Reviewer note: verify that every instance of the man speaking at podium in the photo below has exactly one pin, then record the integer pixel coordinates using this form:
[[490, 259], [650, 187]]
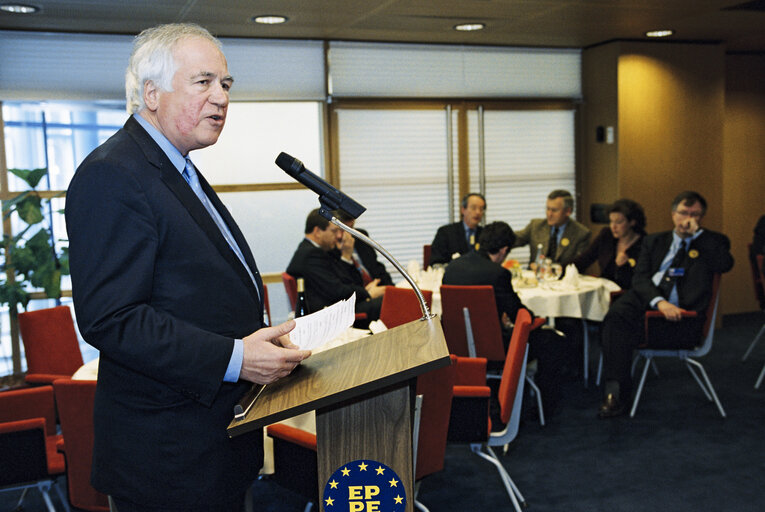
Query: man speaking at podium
[[165, 286]]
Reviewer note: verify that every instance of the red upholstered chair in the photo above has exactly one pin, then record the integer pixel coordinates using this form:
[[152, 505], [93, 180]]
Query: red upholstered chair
[[28, 443], [74, 399], [653, 319], [471, 327], [290, 286], [468, 426], [400, 306], [294, 449], [50, 344], [476, 333], [425, 256]]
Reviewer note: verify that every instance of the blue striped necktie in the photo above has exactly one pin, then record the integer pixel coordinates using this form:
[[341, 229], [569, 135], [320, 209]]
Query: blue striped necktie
[[190, 174]]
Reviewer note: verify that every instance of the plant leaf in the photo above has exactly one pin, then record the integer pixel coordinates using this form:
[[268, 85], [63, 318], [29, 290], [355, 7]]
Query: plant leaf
[[30, 209], [31, 176]]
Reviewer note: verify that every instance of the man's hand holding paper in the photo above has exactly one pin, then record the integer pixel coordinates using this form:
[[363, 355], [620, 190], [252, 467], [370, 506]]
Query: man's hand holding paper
[[269, 354]]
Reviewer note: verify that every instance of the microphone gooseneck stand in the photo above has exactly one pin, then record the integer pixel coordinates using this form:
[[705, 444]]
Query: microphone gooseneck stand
[[327, 214]]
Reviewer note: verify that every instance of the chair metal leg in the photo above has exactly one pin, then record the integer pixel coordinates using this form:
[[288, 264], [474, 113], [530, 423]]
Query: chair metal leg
[[640, 386], [512, 489], [61, 495], [699, 381], [600, 369], [754, 342], [536, 391], [417, 504], [586, 344], [44, 488], [24, 492], [710, 388], [759, 379]]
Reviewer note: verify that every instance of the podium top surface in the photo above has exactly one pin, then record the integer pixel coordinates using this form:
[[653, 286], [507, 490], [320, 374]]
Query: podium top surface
[[347, 372]]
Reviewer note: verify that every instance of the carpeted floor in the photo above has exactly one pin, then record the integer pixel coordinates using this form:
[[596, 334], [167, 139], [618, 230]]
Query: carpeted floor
[[677, 454]]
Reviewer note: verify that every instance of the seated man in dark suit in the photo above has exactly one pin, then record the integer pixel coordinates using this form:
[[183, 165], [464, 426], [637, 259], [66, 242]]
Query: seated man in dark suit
[[484, 267], [329, 279], [362, 255], [456, 238], [673, 274]]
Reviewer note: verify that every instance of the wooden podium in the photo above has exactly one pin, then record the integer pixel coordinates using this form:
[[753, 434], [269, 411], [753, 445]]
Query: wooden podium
[[362, 393]]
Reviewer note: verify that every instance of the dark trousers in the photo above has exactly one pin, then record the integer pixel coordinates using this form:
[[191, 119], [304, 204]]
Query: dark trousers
[[624, 330]]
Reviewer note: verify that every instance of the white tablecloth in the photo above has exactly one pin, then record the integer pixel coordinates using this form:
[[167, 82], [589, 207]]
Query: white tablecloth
[[590, 300]]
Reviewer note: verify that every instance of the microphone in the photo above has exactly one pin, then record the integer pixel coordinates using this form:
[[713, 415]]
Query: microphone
[[329, 197]]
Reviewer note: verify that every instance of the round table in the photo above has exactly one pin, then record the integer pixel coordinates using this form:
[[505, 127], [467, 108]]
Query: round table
[[589, 300]]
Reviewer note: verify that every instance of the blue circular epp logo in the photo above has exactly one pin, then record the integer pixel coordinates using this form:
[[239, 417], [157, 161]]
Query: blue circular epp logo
[[364, 486]]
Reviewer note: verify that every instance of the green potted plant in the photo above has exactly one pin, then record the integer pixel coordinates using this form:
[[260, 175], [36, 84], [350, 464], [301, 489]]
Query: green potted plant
[[29, 258]]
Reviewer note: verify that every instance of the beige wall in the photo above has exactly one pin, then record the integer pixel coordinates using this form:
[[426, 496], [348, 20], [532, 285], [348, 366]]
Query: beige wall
[[743, 168], [676, 129]]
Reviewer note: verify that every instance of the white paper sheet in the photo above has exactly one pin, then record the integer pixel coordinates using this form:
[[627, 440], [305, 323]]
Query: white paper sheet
[[318, 328]]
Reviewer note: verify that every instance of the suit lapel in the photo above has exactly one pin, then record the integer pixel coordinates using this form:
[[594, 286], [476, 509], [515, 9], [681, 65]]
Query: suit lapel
[[661, 249], [186, 196], [235, 232]]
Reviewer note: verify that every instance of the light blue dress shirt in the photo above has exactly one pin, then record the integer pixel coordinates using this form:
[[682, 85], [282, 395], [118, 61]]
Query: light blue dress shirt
[[179, 161], [666, 262], [559, 233]]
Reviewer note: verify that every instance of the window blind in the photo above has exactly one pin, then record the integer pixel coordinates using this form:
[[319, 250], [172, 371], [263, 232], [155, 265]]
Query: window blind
[[394, 163], [55, 66], [527, 154], [427, 71]]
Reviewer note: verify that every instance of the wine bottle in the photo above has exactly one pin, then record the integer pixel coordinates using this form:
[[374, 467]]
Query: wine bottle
[[301, 307]]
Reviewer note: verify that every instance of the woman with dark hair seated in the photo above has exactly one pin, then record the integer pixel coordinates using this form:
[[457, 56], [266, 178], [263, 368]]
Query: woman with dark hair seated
[[617, 246]]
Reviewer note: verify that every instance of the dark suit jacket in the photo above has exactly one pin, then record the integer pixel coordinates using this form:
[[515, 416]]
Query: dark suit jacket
[[327, 278], [476, 269], [574, 240], [603, 250], [708, 254], [160, 293], [448, 240], [369, 259]]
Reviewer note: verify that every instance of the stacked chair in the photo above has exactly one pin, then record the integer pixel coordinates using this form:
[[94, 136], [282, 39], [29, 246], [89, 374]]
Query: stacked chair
[[50, 344], [28, 442], [471, 328], [470, 421], [74, 399]]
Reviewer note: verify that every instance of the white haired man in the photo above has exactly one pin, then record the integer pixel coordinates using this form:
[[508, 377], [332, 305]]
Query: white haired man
[[166, 288]]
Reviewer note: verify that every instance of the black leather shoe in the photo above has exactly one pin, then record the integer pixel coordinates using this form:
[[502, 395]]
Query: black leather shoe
[[611, 407]]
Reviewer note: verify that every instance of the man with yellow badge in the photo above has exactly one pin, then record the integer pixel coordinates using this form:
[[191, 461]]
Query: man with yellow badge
[[561, 237], [673, 274]]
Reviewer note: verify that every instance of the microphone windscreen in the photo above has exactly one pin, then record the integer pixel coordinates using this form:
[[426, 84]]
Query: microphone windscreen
[[288, 164]]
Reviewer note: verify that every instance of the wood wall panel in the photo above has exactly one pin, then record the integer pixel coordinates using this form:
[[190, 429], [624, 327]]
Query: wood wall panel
[[671, 104], [743, 170], [688, 117]]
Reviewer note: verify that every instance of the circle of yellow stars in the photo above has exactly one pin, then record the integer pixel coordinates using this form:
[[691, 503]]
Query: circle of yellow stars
[[387, 475]]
